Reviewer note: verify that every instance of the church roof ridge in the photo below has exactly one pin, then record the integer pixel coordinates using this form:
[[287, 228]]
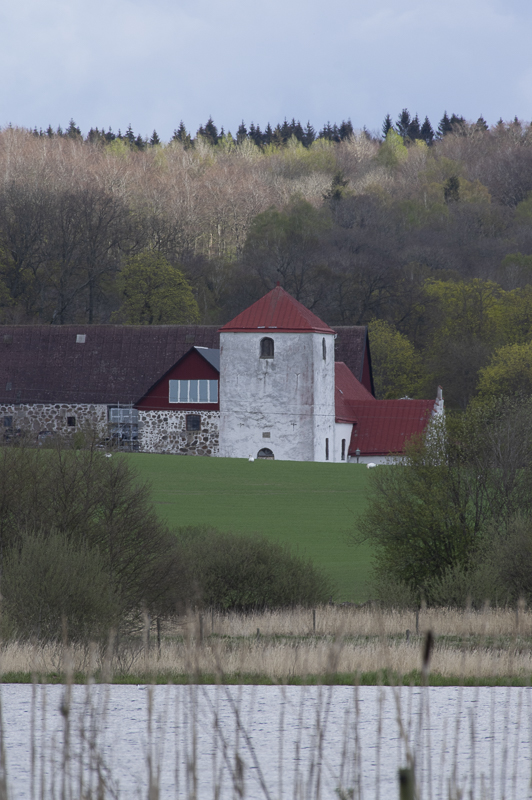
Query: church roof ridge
[[277, 311]]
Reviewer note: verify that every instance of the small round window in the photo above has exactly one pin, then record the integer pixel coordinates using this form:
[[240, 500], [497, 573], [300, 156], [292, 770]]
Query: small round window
[[266, 347]]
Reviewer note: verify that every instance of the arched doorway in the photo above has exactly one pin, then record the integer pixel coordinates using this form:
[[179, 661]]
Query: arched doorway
[[266, 453]]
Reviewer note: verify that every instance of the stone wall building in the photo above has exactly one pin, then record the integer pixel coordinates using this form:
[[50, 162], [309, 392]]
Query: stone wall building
[[275, 382]]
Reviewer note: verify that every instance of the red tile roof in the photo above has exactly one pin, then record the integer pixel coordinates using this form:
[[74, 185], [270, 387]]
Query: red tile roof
[[384, 426], [348, 392], [278, 311]]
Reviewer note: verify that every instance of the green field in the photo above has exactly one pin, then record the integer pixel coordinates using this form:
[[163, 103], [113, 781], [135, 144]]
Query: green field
[[312, 507]]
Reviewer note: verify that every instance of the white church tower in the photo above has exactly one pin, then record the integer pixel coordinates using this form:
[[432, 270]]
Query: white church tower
[[277, 382]]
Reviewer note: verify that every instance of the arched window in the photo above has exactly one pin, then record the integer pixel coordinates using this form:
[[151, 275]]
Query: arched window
[[265, 453], [266, 347], [324, 349]]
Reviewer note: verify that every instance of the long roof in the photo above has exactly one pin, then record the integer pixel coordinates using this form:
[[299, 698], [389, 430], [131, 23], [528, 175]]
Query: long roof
[[116, 363], [276, 311], [383, 427], [91, 363]]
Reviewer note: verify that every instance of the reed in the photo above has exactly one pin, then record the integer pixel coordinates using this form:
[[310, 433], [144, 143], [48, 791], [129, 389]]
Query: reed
[[492, 645]]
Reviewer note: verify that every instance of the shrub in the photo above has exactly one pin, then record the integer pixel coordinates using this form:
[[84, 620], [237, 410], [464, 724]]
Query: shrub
[[48, 579], [243, 573]]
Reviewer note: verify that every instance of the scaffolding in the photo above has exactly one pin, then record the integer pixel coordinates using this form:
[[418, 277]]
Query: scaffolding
[[124, 427]]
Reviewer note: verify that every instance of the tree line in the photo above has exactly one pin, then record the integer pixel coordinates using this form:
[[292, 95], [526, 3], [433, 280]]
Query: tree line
[[431, 244]]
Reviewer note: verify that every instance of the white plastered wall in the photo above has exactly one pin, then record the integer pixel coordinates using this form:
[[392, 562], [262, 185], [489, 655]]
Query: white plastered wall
[[290, 397]]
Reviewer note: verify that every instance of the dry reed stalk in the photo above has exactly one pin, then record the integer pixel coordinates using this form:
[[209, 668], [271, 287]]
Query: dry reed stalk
[[282, 659]]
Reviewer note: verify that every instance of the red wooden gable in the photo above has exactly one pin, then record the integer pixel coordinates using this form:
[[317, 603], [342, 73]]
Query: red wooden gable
[[192, 366]]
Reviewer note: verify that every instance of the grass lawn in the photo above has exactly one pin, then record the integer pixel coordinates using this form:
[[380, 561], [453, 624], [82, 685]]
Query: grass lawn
[[312, 507]]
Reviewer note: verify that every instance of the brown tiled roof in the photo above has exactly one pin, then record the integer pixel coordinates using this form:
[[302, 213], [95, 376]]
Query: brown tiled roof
[[384, 426], [350, 347], [116, 364]]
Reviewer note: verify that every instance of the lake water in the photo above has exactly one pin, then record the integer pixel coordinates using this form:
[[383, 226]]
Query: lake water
[[267, 742]]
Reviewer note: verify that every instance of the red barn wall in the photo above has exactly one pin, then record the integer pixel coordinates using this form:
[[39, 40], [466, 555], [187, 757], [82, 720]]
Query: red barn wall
[[191, 367]]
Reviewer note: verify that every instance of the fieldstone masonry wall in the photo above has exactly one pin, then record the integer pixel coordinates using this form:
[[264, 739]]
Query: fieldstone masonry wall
[[158, 431], [37, 418], [165, 431]]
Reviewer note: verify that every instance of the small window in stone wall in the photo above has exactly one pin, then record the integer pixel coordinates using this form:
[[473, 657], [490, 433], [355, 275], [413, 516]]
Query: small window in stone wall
[[324, 349], [71, 422], [8, 422], [193, 422]]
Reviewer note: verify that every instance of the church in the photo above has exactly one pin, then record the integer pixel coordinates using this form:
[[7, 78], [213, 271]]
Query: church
[[276, 382]]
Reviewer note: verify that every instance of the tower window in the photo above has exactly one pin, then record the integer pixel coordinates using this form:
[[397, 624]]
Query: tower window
[[343, 449], [324, 349], [266, 347], [326, 449]]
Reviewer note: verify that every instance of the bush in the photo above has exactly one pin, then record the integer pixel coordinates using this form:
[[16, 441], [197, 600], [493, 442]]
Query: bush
[[99, 506], [48, 580], [428, 519], [243, 573]]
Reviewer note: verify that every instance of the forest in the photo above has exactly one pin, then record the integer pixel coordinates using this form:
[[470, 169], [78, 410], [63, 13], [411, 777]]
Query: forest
[[425, 235]]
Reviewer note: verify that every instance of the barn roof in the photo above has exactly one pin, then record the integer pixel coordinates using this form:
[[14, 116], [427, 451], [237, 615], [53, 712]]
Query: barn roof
[[116, 363], [91, 363], [383, 426], [348, 392], [277, 311]]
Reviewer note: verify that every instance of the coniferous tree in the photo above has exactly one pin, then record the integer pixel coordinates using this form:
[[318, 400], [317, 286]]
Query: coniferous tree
[[257, 136], [109, 136], [73, 132], [386, 125], [346, 129], [268, 134], [326, 132], [445, 126], [140, 143], [403, 124], [414, 129], [154, 139], [297, 130], [285, 131], [50, 132], [481, 124], [426, 133], [130, 136], [242, 133], [451, 190], [309, 135], [182, 135], [458, 124]]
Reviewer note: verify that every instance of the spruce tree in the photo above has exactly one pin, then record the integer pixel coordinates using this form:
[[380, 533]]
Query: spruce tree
[[297, 130], [445, 126], [403, 123], [426, 133], [268, 134], [414, 130], [481, 124], [242, 133], [285, 131], [451, 190], [346, 129], [387, 125], [309, 135], [73, 132], [182, 135], [130, 136]]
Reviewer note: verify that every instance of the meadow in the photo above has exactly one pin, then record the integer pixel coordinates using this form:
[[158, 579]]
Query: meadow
[[310, 507]]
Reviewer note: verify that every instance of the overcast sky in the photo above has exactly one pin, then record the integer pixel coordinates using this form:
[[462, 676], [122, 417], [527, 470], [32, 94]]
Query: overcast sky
[[155, 63]]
